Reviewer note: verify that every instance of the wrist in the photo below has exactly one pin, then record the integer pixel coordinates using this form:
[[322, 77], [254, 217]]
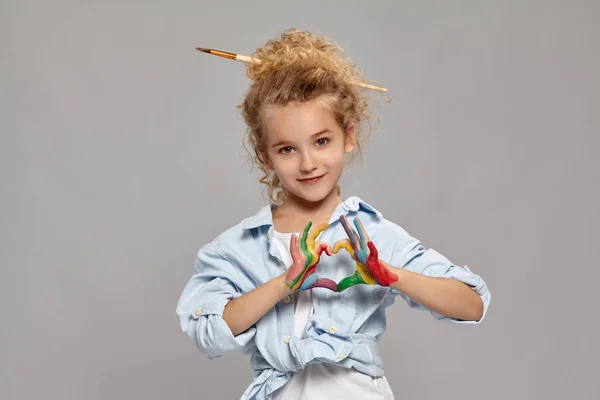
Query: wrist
[[399, 272], [280, 283]]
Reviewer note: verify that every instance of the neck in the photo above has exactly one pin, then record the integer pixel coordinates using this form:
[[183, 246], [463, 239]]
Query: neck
[[302, 208]]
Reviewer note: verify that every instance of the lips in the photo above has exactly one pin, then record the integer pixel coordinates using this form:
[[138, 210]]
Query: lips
[[308, 181]]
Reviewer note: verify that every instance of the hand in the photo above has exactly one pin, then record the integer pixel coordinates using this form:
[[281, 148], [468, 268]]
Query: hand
[[302, 274], [370, 270]]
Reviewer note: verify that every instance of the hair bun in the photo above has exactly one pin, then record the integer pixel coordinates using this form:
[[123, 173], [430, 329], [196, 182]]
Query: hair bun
[[301, 47]]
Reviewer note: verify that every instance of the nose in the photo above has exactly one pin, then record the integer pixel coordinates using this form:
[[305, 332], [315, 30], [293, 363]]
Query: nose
[[308, 163]]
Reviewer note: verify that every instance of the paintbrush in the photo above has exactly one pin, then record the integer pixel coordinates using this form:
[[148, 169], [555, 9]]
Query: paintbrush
[[250, 60]]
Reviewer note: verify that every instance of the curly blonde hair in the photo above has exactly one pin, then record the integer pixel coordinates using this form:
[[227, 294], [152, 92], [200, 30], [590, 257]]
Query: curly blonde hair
[[299, 67]]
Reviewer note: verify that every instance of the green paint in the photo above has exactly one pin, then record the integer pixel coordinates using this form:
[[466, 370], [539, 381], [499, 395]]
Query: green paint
[[304, 246], [348, 281]]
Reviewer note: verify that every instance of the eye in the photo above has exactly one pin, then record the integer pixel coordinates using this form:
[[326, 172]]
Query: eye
[[285, 150], [322, 141]]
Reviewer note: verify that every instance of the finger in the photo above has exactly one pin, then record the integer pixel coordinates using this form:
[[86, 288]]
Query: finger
[[363, 253], [294, 247], [316, 252], [325, 283], [308, 282], [303, 244], [305, 232], [362, 229], [361, 232], [295, 270], [365, 274], [343, 244], [348, 281], [349, 232], [373, 252], [323, 247], [315, 255], [312, 236]]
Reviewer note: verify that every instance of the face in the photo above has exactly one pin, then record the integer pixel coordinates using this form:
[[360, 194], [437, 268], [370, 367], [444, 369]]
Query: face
[[305, 147]]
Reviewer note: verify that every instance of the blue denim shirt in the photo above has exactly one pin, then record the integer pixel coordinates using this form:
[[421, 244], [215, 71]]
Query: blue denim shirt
[[344, 329]]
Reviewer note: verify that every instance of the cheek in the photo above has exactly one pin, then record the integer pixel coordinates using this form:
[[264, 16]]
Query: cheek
[[282, 165], [334, 158]]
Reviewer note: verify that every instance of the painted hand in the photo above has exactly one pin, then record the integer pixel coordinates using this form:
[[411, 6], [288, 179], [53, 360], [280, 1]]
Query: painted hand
[[369, 269], [302, 274]]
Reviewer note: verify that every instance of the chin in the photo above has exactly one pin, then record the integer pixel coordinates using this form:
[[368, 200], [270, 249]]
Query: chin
[[314, 195]]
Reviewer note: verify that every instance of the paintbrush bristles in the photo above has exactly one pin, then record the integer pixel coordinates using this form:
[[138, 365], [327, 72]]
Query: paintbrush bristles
[[250, 60]]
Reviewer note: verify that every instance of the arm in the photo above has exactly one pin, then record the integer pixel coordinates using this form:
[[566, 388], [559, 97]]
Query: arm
[[444, 296], [201, 305], [455, 304], [426, 279], [243, 312], [215, 311]]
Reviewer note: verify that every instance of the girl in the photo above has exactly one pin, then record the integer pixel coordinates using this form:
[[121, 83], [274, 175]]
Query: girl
[[310, 321]]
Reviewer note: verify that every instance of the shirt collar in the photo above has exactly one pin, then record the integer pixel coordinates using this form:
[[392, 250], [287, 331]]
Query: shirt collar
[[265, 216]]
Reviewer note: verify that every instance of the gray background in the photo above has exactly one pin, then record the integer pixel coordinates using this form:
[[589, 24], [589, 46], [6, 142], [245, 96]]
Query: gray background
[[122, 154]]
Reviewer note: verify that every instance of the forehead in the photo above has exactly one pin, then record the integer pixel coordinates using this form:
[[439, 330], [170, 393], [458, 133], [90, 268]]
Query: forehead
[[297, 120]]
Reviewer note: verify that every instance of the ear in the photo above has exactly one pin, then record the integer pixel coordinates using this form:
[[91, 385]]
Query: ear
[[350, 139]]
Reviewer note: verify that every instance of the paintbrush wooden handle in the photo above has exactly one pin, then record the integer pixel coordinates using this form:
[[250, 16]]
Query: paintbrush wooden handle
[[250, 60]]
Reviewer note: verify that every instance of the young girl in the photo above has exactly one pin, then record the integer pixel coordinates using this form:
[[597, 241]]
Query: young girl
[[312, 321]]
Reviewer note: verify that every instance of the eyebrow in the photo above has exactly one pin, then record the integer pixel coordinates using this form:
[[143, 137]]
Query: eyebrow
[[282, 142]]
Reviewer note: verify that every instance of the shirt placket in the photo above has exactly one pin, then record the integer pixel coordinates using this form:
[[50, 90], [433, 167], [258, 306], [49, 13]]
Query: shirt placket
[[286, 328]]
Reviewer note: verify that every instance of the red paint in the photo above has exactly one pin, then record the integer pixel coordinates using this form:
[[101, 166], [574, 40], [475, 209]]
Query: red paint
[[381, 274]]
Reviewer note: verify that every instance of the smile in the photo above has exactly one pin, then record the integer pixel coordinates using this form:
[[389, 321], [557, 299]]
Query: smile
[[310, 181]]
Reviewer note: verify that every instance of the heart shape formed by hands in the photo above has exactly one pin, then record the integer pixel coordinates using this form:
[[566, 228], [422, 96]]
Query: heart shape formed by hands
[[370, 270]]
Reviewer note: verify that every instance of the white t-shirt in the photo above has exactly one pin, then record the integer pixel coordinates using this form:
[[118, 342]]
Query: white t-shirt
[[323, 381]]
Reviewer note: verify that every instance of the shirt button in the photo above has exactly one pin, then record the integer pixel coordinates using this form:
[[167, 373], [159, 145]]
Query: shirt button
[[332, 329], [287, 299], [286, 340], [341, 355], [197, 311]]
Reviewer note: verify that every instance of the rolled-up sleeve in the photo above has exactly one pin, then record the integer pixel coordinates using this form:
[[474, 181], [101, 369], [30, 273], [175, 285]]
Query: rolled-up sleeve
[[200, 308], [411, 255]]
